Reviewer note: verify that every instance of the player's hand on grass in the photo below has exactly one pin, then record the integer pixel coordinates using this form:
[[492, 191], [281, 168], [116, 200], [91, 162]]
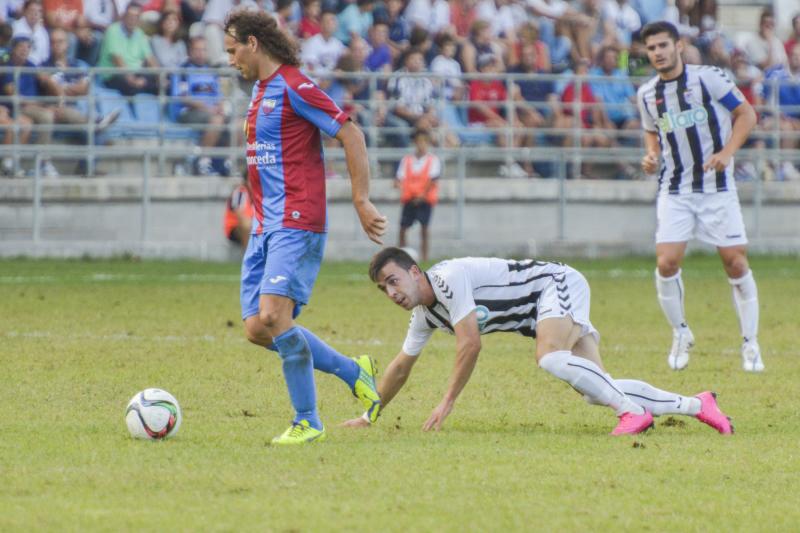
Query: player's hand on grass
[[650, 163], [718, 161], [359, 422], [437, 417], [372, 221]]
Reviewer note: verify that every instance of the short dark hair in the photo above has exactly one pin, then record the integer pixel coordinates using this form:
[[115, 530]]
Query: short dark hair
[[392, 254], [661, 26], [264, 28]]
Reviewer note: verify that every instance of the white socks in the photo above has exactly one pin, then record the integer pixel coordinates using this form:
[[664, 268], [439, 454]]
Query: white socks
[[588, 379], [658, 402], [670, 296], [745, 301]]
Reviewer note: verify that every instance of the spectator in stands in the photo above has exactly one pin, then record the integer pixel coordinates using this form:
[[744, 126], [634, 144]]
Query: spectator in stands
[[463, 15], [68, 15], [30, 25], [26, 87], [192, 12], [794, 38], [488, 111], [310, 22], [415, 98], [557, 18], [764, 48], [380, 57], [213, 22], [621, 18], [418, 180], [355, 20], [284, 10], [98, 16], [445, 65], [480, 43], [399, 28], [787, 80], [619, 96], [591, 115], [239, 212], [197, 101], [431, 15], [126, 46], [539, 92], [168, 47], [69, 85], [320, 53], [529, 35], [6, 32]]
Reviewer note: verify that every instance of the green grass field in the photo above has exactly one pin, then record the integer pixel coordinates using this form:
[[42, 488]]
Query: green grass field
[[521, 451]]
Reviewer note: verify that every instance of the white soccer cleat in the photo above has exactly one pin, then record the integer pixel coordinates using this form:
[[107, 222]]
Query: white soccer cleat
[[751, 357], [682, 342]]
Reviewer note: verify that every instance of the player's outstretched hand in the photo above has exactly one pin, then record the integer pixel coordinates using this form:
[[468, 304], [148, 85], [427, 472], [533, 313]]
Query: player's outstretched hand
[[372, 221], [650, 164], [718, 161], [437, 417], [356, 423]]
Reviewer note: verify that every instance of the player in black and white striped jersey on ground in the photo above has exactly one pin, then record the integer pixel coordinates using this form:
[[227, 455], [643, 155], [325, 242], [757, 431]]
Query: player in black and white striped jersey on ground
[[695, 119], [472, 296]]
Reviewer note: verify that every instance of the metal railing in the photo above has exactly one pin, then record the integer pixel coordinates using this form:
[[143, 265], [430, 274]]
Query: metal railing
[[373, 108]]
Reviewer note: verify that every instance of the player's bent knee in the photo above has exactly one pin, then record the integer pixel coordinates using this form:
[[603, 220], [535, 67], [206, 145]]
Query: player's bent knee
[[667, 266]]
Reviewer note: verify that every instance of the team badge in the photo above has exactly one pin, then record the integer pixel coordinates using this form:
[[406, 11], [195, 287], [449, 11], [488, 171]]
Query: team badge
[[267, 105]]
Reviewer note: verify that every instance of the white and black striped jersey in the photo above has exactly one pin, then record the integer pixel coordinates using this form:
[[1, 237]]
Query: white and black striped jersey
[[503, 293], [692, 116]]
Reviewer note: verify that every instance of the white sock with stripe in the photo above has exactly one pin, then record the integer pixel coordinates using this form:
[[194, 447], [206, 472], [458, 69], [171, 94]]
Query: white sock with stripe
[[670, 296], [745, 301], [658, 402], [588, 379]]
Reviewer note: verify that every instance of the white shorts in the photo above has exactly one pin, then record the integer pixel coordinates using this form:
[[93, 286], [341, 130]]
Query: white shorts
[[567, 295], [715, 218]]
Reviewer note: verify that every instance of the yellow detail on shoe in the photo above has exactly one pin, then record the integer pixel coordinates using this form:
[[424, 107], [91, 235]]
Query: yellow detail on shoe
[[300, 433], [365, 389]]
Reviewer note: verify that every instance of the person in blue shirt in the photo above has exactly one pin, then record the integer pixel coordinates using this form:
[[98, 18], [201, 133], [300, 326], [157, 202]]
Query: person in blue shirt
[[618, 95], [197, 101], [355, 20]]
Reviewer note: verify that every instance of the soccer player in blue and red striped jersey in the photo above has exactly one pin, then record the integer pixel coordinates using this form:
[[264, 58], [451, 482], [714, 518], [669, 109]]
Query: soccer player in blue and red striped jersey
[[286, 173]]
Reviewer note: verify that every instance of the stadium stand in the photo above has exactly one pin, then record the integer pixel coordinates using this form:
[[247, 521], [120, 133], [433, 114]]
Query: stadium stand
[[395, 64]]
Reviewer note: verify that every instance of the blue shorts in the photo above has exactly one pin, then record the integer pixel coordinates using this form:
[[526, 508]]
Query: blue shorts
[[284, 262]]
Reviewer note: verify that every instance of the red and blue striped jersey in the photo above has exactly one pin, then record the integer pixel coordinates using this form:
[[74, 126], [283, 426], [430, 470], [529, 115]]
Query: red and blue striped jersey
[[285, 164]]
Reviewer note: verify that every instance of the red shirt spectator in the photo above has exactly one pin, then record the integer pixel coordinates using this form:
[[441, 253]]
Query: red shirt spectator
[[587, 100], [65, 14], [487, 92]]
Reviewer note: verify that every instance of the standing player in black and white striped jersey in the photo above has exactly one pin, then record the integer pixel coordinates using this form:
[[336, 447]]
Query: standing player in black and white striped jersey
[[695, 119], [473, 296]]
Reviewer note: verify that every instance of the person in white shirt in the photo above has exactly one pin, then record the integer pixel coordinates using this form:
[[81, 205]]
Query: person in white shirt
[[30, 25], [473, 296], [321, 52], [764, 48]]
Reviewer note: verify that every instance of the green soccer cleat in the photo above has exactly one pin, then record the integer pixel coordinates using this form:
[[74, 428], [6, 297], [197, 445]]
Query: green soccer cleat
[[299, 433], [365, 389]]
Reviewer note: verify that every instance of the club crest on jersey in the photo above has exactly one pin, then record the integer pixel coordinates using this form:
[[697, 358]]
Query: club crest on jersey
[[482, 315], [671, 121], [268, 104]]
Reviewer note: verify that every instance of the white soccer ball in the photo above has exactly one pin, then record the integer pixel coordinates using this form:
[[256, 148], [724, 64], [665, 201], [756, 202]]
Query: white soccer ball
[[153, 414]]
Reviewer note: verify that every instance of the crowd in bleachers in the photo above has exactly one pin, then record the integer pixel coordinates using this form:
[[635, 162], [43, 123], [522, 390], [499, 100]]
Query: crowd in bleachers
[[402, 39]]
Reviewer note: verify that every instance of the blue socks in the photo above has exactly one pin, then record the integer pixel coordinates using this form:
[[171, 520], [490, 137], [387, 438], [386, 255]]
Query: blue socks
[[328, 360], [298, 371]]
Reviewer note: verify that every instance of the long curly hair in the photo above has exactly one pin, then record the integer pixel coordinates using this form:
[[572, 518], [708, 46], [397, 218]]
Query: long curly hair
[[264, 28]]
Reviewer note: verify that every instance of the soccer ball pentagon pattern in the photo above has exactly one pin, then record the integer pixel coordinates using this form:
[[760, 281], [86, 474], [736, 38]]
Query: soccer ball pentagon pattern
[[153, 414]]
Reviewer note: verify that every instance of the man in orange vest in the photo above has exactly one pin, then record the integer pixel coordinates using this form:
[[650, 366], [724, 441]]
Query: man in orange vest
[[238, 215], [417, 179]]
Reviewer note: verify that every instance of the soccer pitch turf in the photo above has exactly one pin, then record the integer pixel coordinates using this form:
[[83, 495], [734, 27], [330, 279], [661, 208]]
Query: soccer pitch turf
[[521, 450]]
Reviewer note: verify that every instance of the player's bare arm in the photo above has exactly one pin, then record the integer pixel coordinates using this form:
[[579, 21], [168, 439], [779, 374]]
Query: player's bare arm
[[652, 152], [744, 120], [468, 346], [355, 150], [394, 377]]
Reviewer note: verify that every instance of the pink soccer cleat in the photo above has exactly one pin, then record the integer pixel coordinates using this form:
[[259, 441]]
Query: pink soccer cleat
[[631, 423], [711, 414]]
